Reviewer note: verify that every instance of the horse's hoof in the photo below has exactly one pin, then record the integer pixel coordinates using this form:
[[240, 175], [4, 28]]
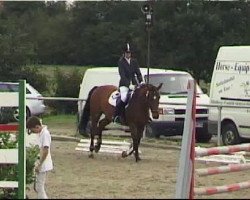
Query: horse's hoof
[[97, 148], [91, 155], [124, 154], [137, 159]]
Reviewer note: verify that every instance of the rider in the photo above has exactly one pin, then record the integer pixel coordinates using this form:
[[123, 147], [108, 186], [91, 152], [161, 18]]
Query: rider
[[128, 68]]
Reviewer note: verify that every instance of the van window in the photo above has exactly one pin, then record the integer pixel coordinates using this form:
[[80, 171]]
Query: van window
[[4, 87], [172, 83], [8, 87]]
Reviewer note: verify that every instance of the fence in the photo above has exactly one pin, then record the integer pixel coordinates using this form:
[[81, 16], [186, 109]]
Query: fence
[[16, 156], [222, 169], [185, 180]]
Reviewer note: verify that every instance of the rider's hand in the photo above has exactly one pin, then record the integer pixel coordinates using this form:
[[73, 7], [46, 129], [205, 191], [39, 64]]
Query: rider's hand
[[142, 83], [132, 87]]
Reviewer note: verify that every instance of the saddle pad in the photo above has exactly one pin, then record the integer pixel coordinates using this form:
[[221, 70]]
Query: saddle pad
[[112, 99]]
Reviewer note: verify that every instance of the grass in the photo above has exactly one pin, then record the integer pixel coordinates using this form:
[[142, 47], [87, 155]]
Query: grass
[[65, 125], [59, 119]]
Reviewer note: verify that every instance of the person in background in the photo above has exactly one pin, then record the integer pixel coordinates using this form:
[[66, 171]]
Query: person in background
[[130, 75], [45, 163]]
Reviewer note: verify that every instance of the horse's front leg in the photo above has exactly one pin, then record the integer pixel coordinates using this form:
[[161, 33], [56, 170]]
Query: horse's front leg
[[128, 152], [131, 148], [137, 141]]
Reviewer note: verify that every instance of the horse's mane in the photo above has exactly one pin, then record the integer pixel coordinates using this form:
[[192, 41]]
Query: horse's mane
[[140, 92]]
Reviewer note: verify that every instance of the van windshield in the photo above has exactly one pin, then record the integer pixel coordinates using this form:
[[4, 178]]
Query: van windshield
[[172, 83]]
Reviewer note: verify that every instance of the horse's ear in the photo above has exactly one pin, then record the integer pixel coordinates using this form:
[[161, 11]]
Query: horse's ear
[[159, 87]]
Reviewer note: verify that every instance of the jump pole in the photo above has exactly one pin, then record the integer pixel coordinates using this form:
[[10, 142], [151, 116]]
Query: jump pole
[[222, 169], [222, 150], [21, 141], [185, 179]]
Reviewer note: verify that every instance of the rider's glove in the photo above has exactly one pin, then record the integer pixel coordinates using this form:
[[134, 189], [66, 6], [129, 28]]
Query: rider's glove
[[142, 83], [132, 87]]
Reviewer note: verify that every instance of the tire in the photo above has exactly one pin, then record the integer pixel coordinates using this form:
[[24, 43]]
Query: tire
[[203, 136], [230, 135], [28, 114], [149, 132], [16, 113]]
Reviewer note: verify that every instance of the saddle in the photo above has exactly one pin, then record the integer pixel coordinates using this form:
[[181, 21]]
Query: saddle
[[116, 96]]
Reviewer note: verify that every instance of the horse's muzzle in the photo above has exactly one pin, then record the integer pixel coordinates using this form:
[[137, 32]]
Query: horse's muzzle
[[155, 114]]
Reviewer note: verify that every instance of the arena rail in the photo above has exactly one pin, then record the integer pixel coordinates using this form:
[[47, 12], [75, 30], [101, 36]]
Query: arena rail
[[218, 106]]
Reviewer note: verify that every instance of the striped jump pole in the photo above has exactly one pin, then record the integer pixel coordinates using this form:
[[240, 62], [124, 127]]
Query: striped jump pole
[[185, 176], [10, 99], [221, 189], [222, 169], [222, 150], [9, 127]]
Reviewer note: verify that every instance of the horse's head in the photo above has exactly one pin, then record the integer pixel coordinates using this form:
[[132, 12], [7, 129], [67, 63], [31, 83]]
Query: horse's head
[[153, 97]]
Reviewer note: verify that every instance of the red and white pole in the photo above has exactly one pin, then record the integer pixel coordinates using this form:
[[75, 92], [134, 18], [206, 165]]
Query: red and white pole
[[222, 169], [185, 178]]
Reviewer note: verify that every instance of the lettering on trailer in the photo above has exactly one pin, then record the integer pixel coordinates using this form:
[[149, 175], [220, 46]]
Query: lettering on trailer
[[239, 67]]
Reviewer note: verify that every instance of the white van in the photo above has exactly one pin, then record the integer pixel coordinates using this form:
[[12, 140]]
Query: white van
[[230, 85], [174, 90]]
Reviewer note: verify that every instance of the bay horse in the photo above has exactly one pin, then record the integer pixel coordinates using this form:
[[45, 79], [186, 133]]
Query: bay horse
[[144, 98]]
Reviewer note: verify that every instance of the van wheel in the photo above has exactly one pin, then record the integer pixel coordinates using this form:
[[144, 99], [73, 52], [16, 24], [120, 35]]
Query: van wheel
[[28, 114], [149, 132], [16, 114], [230, 135]]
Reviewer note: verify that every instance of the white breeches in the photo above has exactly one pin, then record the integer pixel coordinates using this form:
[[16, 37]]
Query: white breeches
[[124, 92]]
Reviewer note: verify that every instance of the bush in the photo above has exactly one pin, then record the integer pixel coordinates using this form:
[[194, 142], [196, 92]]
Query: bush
[[67, 85], [9, 171]]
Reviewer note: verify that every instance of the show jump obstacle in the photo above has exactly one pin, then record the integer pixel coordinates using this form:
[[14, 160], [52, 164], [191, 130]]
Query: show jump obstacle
[[185, 180], [15, 156]]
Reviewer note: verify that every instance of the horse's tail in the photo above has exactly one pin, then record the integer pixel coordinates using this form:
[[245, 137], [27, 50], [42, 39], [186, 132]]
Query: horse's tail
[[86, 113]]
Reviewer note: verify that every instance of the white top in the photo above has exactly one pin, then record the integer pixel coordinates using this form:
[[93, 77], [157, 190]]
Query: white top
[[44, 139], [128, 60]]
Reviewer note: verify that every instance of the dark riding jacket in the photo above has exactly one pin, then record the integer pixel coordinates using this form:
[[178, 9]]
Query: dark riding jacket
[[128, 71]]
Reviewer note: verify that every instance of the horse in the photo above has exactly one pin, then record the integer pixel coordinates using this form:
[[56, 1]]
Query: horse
[[144, 98]]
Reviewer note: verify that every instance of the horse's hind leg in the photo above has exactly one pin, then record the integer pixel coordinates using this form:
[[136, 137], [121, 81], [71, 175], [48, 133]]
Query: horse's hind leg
[[94, 130], [104, 122], [91, 147]]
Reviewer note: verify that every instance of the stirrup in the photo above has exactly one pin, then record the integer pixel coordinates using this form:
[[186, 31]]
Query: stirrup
[[117, 120]]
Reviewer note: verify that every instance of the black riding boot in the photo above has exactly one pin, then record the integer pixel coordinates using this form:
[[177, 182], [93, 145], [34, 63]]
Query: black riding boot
[[119, 111]]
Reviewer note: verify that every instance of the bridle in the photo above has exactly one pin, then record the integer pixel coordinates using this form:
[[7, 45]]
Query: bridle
[[152, 110]]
